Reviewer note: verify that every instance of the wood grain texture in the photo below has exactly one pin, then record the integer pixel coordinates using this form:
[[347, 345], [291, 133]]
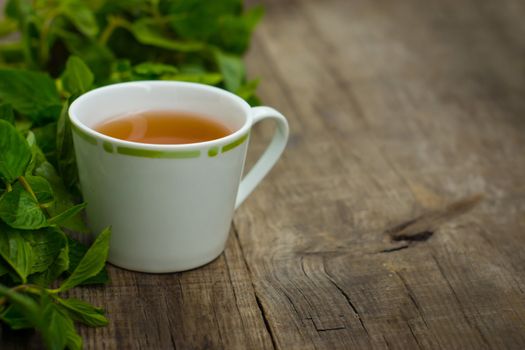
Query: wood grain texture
[[398, 111], [209, 308]]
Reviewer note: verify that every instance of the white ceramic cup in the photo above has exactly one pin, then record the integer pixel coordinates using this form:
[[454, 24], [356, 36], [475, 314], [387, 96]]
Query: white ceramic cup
[[170, 206]]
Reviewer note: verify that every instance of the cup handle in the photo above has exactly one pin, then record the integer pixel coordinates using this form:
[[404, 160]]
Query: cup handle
[[270, 155]]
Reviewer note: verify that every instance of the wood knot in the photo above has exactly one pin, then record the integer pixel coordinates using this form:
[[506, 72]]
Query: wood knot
[[424, 226]]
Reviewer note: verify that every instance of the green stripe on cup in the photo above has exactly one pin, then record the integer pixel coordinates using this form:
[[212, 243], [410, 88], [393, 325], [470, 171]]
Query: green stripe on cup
[[148, 153], [83, 135], [234, 144], [108, 147], [212, 152]]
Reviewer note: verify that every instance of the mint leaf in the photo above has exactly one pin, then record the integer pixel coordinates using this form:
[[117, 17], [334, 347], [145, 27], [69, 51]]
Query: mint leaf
[[192, 20], [53, 271], [67, 214], [37, 156], [232, 69], [41, 188], [6, 113], [17, 9], [149, 31], [46, 244], [25, 306], [14, 152], [98, 57], [77, 251], [121, 70], [219, 23], [15, 318], [16, 251], [92, 263], [59, 330], [84, 313], [19, 209], [54, 324], [7, 26], [65, 152], [32, 94], [247, 90], [3, 269], [45, 138], [11, 52], [152, 70], [63, 199], [77, 77], [234, 32], [81, 16], [203, 78]]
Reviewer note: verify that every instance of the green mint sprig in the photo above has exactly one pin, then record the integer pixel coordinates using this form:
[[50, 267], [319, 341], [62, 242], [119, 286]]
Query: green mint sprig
[[35, 209], [62, 49], [34, 306]]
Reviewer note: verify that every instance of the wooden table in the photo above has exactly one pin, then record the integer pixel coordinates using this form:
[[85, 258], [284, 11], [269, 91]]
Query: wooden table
[[395, 218]]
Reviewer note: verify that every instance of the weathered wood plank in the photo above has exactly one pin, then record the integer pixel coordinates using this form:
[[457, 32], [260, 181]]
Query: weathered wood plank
[[212, 307], [396, 109]]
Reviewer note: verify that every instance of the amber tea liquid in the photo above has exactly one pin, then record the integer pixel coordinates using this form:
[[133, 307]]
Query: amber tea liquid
[[163, 127]]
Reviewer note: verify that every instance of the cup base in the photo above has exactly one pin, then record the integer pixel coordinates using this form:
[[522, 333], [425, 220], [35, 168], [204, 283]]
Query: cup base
[[166, 268]]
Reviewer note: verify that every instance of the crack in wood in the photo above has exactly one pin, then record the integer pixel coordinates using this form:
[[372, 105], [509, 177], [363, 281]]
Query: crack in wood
[[386, 342], [412, 298], [257, 300], [219, 332], [414, 336], [171, 327], [329, 329], [266, 321], [394, 249], [173, 341], [318, 329], [347, 297], [293, 306], [180, 289], [348, 300], [233, 288], [305, 297]]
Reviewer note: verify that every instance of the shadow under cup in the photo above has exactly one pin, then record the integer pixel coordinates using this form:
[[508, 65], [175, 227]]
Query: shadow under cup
[[170, 206]]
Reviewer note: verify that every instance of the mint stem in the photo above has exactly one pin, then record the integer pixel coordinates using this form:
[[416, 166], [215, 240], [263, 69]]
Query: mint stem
[[27, 187]]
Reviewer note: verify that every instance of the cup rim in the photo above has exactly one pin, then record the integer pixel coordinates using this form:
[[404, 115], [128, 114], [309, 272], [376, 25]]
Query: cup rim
[[239, 133]]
